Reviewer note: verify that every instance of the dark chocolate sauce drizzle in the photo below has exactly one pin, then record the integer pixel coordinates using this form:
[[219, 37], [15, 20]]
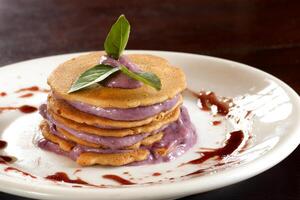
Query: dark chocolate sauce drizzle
[[18, 170], [231, 145], [63, 177], [4, 159], [23, 109], [208, 99], [26, 95], [32, 89], [200, 171], [3, 144], [118, 179]]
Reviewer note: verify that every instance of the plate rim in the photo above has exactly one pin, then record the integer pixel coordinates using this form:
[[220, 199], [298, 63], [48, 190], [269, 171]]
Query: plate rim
[[187, 187]]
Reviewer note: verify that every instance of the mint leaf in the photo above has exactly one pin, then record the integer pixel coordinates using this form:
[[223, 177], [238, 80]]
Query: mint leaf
[[92, 75], [146, 77], [117, 37]]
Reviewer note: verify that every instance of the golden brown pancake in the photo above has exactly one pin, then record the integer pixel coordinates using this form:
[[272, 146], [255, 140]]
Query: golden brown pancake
[[63, 144], [162, 151], [68, 145], [172, 79], [151, 139], [116, 159], [78, 140], [85, 159], [171, 117], [146, 141], [65, 110]]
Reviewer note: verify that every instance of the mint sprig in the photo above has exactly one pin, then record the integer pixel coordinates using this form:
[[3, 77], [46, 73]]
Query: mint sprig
[[100, 72], [114, 45], [117, 38], [93, 75], [145, 77]]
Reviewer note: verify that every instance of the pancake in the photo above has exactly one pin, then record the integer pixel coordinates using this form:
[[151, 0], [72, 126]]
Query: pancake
[[171, 117], [146, 141], [116, 159], [172, 142], [172, 79], [84, 159], [78, 140], [65, 110], [89, 158], [63, 144], [72, 140]]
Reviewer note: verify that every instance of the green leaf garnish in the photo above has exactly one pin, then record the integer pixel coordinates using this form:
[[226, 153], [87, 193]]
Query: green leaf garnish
[[117, 37], [145, 77], [93, 75], [114, 45]]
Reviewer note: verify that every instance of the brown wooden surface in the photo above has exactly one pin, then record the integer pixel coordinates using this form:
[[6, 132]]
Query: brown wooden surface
[[261, 33]]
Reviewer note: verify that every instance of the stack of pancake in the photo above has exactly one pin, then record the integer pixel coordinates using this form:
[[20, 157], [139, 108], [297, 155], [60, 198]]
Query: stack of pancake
[[113, 126]]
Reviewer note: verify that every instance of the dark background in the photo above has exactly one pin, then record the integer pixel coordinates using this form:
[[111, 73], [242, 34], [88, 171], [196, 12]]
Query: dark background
[[261, 33]]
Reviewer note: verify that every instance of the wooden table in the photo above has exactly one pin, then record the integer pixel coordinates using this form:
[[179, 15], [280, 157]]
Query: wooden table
[[261, 33]]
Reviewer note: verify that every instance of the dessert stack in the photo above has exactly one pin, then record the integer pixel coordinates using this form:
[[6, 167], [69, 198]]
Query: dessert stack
[[116, 110]]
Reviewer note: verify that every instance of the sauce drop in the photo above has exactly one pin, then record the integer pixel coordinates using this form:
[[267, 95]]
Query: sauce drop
[[77, 171], [247, 144], [216, 123], [26, 95], [3, 144], [156, 174], [6, 158], [3, 94], [231, 145], [77, 186], [32, 89], [118, 179], [27, 109], [3, 162], [63, 177], [18, 170], [200, 171], [208, 99], [23, 109], [205, 170], [248, 114]]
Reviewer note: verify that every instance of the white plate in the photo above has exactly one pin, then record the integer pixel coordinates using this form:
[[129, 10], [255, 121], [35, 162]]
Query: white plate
[[273, 126]]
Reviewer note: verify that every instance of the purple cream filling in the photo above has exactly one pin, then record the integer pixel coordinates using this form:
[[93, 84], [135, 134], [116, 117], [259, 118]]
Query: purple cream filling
[[110, 142], [128, 114], [120, 80], [179, 136]]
